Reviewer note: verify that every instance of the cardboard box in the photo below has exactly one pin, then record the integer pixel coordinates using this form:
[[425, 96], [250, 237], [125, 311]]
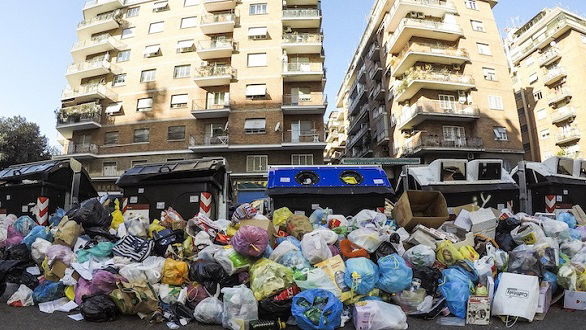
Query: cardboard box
[[578, 213], [264, 224], [468, 207], [426, 208], [575, 300], [335, 268], [478, 312], [545, 295]]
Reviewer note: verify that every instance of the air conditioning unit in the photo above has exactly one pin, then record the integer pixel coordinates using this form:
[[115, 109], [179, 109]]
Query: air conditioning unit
[[421, 15], [456, 67], [288, 29], [413, 14]]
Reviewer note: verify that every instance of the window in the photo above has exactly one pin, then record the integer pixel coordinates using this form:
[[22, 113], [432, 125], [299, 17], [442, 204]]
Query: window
[[483, 49], [132, 12], [141, 135], [160, 6], [157, 27], [495, 102], [533, 77], [138, 162], [255, 126], [148, 75], [541, 114], [256, 90], [123, 56], [179, 101], [255, 60], [185, 46], [176, 133], [302, 159], [111, 138], [145, 104], [527, 147], [182, 71], [524, 128], [119, 80], [189, 3], [477, 26], [544, 133], [216, 130], [127, 33], [258, 9], [152, 51], [471, 4], [455, 134], [110, 169], [489, 74], [188, 22], [114, 108], [500, 134], [257, 163], [447, 102], [218, 100], [260, 32], [537, 95]]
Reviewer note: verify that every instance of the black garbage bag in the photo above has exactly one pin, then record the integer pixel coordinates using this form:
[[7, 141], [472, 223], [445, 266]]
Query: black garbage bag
[[438, 306], [525, 261], [90, 213], [99, 308], [210, 274], [181, 312], [271, 309], [99, 234], [503, 233], [8, 269], [164, 238], [18, 252], [386, 248], [428, 277]]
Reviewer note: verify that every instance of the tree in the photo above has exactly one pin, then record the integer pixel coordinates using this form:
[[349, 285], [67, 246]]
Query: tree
[[21, 142]]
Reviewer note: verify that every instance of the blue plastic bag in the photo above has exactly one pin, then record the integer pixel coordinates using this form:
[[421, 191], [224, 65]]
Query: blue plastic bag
[[552, 279], [37, 232], [317, 309], [24, 225], [361, 275], [56, 217], [294, 259], [48, 291], [456, 294], [395, 275], [568, 218]]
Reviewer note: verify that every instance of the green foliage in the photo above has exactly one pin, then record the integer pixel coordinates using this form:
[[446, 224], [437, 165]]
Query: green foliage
[[21, 142]]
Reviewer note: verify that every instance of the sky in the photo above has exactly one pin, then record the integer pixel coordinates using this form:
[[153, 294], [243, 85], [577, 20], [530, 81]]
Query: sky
[[41, 32]]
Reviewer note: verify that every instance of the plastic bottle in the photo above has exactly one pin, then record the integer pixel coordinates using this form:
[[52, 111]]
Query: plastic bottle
[[266, 325]]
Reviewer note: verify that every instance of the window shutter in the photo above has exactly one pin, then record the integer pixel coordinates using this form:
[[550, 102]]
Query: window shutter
[[256, 90], [145, 103]]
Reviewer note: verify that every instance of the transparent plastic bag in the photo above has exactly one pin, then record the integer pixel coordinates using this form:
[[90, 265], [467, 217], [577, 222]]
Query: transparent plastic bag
[[395, 275], [268, 277], [527, 233], [210, 310], [232, 261], [22, 297], [447, 254], [378, 315], [317, 278], [314, 248], [420, 255], [240, 307], [367, 239]]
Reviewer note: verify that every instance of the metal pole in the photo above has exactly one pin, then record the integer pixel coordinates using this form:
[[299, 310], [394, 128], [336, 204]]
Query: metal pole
[[405, 178], [524, 200]]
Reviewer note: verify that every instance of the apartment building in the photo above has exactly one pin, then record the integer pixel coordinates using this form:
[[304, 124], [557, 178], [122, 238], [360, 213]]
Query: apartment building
[[336, 137], [547, 63], [430, 80], [156, 81]]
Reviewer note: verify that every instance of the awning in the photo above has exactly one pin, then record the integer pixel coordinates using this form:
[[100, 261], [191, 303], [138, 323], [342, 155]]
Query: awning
[[153, 49], [160, 5], [179, 99], [145, 103], [255, 124], [185, 44], [114, 108], [256, 90], [257, 31]]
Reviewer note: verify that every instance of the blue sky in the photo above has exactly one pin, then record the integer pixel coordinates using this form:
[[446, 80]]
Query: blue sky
[[36, 51]]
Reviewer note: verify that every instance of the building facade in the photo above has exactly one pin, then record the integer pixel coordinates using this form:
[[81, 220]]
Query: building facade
[[547, 63], [430, 80], [157, 81], [336, 137]]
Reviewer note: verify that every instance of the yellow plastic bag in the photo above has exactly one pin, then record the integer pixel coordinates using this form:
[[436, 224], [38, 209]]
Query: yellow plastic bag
[[268, 278], [117, 217], [155, 227], [447, 254], [232, 229], [70, 292], [280, 216], [581, 282], [188, 248], [175, 272], [469, 253]]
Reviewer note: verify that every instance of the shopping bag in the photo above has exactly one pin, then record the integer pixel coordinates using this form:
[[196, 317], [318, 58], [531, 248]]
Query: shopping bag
[[517, 296]]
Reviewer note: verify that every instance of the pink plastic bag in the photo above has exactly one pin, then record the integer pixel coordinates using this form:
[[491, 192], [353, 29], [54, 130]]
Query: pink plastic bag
[[61, 253], [14, 237], [250, 241], [104, 282], [82, 289]]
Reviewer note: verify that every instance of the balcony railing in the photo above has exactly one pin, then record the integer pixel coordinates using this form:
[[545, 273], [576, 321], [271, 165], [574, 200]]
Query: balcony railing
[[441, 108], [302, 38], [103, 39], [202, 105], [435, 3], [554, 75], [99, 89], [214, 71], [549, 56], [568, 135], [559, 95], [209, 45], [563, 114], [424, 24], [207, 140], [433, 76], [115, 15], [315, 99], [88, 112], [301, 13], [438, 142], [82, 148], [304, 67], [305, 136], [218, 18], [428, 48], [89, 65], [364, 128]]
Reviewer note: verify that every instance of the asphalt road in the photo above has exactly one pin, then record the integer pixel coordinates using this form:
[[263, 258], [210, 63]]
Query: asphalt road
[[31, 318]]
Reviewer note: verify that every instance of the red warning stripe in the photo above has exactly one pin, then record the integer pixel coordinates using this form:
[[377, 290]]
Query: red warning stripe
[[205, 203]]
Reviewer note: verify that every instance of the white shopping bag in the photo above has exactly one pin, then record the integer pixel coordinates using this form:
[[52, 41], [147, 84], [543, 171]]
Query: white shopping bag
[[517, 296]]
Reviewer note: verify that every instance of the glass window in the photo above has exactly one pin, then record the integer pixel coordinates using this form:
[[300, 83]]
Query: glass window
[[541, 114], [255, 126], [148, 75], [471, 4], [111, 138], [258, 9], [185, 46], [257, 163], [182, 71], [188, 22], [500, 134], [119, 80], [495, 102], [123, 56], [538, 95], [302, 159], [132, 12], [127, 33], [141, 135], [544, 133], [176, 133], [189, 3], [138, 162], [447, 102], [157, 27], [114, 108], [483, 49], [454, 134], [179, 101], [218, 100], [255, 60], [477, 26], [145, 104], [110, 169], [489, 74]]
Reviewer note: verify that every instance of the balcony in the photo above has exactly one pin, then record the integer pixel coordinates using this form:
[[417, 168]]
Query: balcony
[[76, 72], [568, 135], [549, 57], [209, 143], [79, 151], [559, 96], [301, 2], [79, 117], [95, 7], [374, 53], [422, 8], [302, 104], [359, 152], [364, 129], [214, 75], [362, 73], [213, 49], [359, 97], [424, 143], [430, 53], [303, 71], [357, 121], [302, 18], [563, 114], [436, 110], [410, 27], [431, 79], [202, 109], [302, 43], [308, 139], [377, 93], [217, 23], [554, 75], [382, 132], [375, 72], [100, 23], [86, 93], [101, 44], [218, 5]]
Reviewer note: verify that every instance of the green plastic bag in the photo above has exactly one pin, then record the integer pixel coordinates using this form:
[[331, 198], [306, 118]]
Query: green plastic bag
[[101, 251], [280, 216], [268, 278]]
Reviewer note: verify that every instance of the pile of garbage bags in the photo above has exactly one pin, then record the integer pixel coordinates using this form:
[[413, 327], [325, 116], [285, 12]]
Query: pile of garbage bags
[[266, 271]]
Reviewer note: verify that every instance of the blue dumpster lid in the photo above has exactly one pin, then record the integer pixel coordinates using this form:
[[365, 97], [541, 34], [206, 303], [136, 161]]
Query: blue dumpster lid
[[330, 179]]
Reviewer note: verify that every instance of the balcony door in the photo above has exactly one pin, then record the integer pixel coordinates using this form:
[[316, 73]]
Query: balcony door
[[217, 100], [454, 135], [216, 134], [300, 64], [300, 95], [302, 131], [447, 103]]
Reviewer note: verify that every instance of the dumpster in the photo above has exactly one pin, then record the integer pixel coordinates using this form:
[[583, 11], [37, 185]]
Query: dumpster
[[483, 182], [40, 188], [344, 189], [557, 183], [189, 187]]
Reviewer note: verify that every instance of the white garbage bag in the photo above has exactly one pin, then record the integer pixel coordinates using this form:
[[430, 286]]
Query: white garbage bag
[[314, 248], [378, 315], [240, 307], [367, 239]]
